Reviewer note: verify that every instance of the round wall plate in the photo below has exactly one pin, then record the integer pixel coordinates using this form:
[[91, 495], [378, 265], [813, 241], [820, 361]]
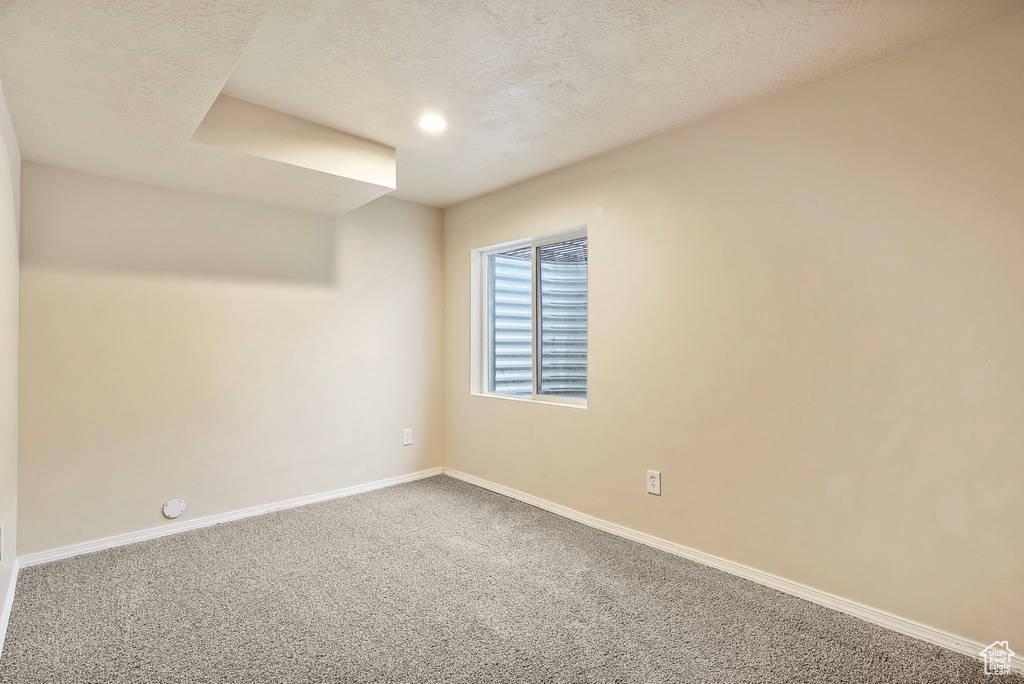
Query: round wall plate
[[174, 508]]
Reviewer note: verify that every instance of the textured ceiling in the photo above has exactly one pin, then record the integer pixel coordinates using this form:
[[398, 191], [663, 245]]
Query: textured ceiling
[[531, 85], [116, 87]]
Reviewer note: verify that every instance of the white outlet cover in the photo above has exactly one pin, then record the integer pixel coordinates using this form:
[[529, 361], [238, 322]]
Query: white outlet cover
[[406, 436], [654, 482], [174, 508]]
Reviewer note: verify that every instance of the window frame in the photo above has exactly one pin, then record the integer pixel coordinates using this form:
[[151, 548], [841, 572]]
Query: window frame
[[480, 323]]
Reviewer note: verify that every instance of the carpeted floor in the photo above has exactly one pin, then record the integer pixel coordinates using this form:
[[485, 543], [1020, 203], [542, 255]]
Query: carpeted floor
[[432, 581]]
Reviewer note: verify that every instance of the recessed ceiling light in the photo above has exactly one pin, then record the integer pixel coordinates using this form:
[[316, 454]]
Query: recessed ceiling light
[[433, 123]]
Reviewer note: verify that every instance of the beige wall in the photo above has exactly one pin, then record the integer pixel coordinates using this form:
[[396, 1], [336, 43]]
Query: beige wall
[[807, 314], [228, 368], [10, 200]]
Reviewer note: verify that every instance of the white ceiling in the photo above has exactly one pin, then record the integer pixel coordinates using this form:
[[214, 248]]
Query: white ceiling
[[532, 85], [117, 86]]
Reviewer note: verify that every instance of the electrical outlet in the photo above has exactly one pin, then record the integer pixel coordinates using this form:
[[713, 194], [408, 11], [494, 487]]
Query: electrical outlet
[[406, 436], [654, 482], [1, 541]]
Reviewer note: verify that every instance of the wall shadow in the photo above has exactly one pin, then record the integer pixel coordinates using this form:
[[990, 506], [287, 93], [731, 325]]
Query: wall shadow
[[91, 223]]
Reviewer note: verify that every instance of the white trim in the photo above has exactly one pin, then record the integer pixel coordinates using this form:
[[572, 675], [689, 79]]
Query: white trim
[[954, 642], [479, 323], [5, 611], [529, 400], [186, 525]]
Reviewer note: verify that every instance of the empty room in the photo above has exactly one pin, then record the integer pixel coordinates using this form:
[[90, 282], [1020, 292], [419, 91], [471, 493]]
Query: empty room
[[307, 376]]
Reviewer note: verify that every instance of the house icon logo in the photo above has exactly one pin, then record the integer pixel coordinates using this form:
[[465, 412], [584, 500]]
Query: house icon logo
[[997, 658]]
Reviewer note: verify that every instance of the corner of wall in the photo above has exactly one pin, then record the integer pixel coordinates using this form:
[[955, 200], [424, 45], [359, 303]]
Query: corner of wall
[[10, 234]]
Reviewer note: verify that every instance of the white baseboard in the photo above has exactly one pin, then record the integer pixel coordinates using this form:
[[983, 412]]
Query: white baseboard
[[186, 525], [882, 618], [5, 611], [896, 623]]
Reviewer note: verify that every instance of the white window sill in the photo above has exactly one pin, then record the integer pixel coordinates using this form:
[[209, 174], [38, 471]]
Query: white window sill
[[530, 400]]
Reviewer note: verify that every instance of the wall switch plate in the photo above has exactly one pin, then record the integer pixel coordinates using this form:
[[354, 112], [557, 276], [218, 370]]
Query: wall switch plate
[[654, 482], [406, 436]]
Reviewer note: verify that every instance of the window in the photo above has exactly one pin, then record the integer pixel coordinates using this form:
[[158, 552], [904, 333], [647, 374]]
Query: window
[[531, 331]]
